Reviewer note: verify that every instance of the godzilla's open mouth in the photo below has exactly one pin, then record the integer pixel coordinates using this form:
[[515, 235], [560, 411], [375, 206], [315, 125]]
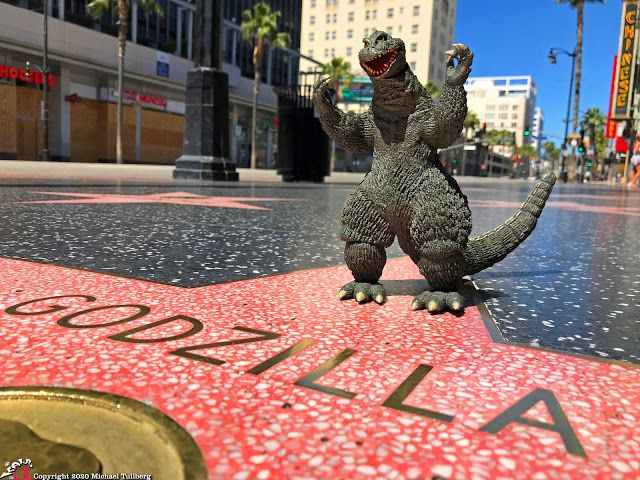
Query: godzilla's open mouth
[[381, 64]]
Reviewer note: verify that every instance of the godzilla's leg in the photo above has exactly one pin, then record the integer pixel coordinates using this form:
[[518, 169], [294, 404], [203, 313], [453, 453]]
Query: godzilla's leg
[[366, 262], [367, 234], [443, 270]]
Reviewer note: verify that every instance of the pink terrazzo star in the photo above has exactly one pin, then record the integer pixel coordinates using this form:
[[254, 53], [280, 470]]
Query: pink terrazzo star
[[175, 198], [275, 378]]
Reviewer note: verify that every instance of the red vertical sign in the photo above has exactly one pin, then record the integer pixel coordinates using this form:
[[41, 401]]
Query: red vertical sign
[[610, 131]]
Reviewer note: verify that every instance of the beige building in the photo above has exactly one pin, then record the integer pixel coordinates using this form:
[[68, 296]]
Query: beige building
[[503, 103], [335, 28]]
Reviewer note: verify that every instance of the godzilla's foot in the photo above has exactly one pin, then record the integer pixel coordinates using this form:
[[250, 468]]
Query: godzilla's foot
[[363, 292], [436, 302]]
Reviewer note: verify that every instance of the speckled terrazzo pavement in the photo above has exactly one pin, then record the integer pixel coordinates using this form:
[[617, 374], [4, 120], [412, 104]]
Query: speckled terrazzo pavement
[[371, 392], [574, 285]]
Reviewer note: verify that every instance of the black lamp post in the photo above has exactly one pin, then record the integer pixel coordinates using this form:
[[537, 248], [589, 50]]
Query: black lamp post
[[205, 153], [553, 59]]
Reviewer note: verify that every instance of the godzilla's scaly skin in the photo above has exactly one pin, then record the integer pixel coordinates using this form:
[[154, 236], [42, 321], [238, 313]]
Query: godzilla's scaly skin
[[408, 194]]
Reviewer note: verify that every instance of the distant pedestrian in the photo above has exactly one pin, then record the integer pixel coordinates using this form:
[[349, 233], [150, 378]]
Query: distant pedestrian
[[635, 164]]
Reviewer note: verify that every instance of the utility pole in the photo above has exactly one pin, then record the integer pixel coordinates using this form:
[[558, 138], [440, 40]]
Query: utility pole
[[553, 60], [44, 110]]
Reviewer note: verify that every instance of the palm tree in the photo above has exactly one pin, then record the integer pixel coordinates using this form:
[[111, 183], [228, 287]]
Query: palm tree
[[96, 9], [433, 89], [260, 27], [339, 70], [579, 6], [594, 122], [471, 122]]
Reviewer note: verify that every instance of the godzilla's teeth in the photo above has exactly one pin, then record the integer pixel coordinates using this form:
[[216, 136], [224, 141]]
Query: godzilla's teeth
[[451, 53]]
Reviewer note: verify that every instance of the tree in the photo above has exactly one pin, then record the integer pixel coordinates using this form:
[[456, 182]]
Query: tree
[[260, 27], [433, 89], [527, 150], [471, 122], [594, 122], [96, 9], [579, 6], [339, 71], [551, 152]]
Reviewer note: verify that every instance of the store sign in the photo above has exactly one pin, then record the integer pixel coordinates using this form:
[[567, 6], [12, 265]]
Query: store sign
[[25, 76], [144, 99], [625, 70], [162, 64], [359, 90]]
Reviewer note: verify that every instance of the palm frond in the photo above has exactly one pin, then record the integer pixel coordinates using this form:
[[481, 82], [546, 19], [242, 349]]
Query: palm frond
[[151, 6], [96, 8]]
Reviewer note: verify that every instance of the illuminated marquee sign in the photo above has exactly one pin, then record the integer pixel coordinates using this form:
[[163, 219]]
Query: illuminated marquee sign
[[626, 63], [13, 73]]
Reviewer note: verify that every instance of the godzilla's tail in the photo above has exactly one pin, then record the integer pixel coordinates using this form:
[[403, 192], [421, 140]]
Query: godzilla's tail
[[493, 246]]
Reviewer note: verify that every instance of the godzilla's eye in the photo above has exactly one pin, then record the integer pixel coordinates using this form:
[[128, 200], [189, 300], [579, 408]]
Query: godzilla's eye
[[381, 38], [366, 42]]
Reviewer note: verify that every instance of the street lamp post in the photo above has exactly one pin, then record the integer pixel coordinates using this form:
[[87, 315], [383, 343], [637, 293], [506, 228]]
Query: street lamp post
[[553, 59]]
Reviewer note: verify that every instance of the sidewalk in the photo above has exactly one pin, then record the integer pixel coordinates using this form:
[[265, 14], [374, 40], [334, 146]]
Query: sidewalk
[[17, 169]]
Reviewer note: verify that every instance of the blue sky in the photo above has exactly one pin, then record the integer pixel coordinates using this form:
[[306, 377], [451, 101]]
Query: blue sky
[[513, 37]]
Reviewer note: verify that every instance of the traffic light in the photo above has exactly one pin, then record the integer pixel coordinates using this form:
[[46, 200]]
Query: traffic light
[[581, 147], [589, 164], [527, 131]]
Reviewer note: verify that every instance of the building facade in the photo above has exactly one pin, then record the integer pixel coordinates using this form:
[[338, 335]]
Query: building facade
[[503, 103], [537, 129], [83, 80], [335, 28]]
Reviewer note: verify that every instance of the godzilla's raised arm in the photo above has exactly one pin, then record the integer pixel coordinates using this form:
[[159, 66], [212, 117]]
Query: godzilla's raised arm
[[447, 114], [350, 131]]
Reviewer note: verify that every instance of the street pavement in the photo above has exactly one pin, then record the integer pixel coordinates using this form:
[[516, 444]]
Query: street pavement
[[538, 379]]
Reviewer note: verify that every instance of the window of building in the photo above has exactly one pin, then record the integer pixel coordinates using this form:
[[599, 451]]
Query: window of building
[[349, 51], [328, 18], [414, 47], [503, 107], [326, 35], [335, 17], [514, 116], [367, 15], [333, 35], [352, 2], [350, 16], [366, 32], [514, 124], [491, 107], [312, 36], [490, 125], [401, 10], [326, 52], [390, 12], [374, 14], [491, 115], [389, 30], [413, 65], [503, 116], [414, 28], [499, 82], [312, 19], [310, 53], [313, 3], [416, 10], [333, 52], [400, 28], [514, 107], [350, 33], [519, 81]]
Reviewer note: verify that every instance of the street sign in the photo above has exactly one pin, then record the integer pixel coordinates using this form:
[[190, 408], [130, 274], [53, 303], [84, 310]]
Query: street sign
[[162, 64]]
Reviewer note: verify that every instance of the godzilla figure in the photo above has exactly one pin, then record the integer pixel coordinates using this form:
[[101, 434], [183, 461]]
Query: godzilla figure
[[408, 194]]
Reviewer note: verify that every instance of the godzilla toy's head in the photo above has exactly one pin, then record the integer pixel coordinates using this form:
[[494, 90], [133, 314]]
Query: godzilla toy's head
[[382, 56]]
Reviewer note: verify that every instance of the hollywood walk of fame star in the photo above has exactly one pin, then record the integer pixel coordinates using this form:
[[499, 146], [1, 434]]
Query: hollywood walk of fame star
[[273, 382], [174, 198]]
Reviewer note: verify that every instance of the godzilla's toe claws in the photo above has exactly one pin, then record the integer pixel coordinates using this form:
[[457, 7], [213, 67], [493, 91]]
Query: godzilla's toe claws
[[360, 297], [379, 299], [416, 305], [343, 294]]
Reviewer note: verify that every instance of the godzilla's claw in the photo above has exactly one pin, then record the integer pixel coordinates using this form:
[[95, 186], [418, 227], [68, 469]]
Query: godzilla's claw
[[363, 292], [436, 302]]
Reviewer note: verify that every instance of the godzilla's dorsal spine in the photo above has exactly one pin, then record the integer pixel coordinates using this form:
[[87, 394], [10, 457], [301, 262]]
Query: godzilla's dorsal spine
[[493, 246]]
